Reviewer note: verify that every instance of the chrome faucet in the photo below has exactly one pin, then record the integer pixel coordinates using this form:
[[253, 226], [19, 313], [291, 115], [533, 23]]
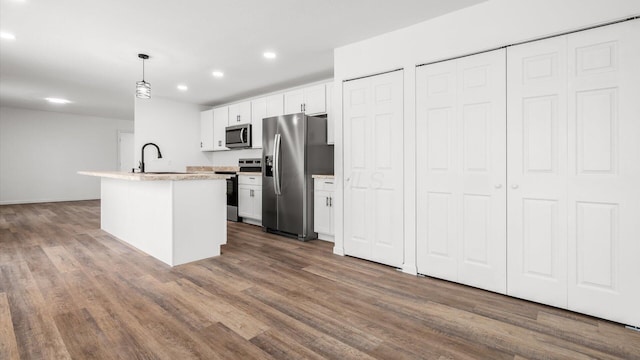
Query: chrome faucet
[[142, 162]]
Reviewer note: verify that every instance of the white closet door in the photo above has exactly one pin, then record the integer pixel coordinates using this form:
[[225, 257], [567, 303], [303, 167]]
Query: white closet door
[[537, 171], [462, 170], [373, 168], [438, 170], [604, 172], [482, 162]]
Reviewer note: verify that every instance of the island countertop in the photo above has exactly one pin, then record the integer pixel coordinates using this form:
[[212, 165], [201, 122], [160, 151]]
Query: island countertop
[[154, 176]]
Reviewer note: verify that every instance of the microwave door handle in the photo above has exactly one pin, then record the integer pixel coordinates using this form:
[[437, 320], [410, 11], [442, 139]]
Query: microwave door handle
[[242, 135], [276, 164]]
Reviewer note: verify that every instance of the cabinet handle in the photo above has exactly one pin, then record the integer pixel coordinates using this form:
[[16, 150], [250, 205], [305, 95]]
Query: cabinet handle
[[200, 143], [300, 107], [219, 142], [326, 201], [304, 107], [330, 202], [238, 118]]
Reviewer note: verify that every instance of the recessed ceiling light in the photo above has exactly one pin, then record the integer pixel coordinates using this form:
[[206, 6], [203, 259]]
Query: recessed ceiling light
[[57, 100], [217, 74], [7, 36], [182, 87], [269, 55]]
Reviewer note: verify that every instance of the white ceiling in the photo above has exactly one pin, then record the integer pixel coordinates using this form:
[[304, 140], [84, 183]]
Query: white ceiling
[[86, 51]]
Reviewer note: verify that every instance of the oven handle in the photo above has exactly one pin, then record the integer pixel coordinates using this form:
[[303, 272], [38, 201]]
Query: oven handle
[[276, 165]]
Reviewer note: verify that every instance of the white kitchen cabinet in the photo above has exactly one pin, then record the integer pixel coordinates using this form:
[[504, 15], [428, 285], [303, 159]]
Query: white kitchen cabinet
[[461, 226], [258, 112], [323, 213], [330, 114], [206, 130], [250, 198], [240, 113], [261, 108], [220, 122], [275, 105], [373, 182], [309, 100]]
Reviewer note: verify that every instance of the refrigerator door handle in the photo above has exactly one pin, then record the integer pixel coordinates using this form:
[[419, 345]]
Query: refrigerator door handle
[[276, 165]]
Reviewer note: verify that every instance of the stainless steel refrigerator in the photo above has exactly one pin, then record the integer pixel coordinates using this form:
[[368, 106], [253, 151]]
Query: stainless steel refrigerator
[[294, 147]]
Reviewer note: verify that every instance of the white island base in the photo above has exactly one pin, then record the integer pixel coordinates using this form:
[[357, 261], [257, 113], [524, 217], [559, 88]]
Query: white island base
[[175, 221]]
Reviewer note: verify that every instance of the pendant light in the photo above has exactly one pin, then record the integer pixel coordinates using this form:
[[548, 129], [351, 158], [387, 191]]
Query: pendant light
[[143, 88]]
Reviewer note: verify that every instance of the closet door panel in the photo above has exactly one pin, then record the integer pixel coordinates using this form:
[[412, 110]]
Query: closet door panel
[[437, 170], [481, 102], [373, 118], [537, 171], [604, 172]]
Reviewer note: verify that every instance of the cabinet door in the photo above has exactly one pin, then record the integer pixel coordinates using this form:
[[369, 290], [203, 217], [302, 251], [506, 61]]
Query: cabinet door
[[293, 101], [604, 171], [462, 170], [206, 130], [258, 112], [314, 100], [220, 121], [537, 171], [275, 105], [330, 115], [245, 202], [321, 212], [373, 181], [240, 113], [257, 203]]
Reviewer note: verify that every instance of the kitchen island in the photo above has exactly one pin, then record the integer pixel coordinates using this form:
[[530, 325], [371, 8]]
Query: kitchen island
[[175, 217]]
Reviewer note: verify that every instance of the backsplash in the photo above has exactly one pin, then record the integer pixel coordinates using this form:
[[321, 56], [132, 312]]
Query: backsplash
[[231, 157]]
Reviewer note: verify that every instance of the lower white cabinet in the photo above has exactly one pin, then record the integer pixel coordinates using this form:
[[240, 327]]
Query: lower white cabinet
[[250, 198], [206, 130], [323, 202]]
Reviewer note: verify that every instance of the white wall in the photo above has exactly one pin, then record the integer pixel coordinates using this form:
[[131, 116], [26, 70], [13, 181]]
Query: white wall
[[175, 128], [41, 151], [487, 25]]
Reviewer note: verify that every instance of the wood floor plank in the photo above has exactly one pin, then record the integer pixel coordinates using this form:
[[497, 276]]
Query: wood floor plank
[[70, 290], [8, 343]]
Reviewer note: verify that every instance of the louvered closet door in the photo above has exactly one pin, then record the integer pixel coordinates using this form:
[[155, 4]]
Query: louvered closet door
[[604, 172], [537, 171], [461, 164], [373, 168]]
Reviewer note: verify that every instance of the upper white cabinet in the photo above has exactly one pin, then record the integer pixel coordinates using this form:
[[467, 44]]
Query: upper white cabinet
[[330, 115], [206, 130], [220, 122], [309, 100], [240, 113], [275, 105], [461, 187], [261, 108]]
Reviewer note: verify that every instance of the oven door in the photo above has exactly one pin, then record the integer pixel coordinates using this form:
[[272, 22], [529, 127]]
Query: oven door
[[238, 136]]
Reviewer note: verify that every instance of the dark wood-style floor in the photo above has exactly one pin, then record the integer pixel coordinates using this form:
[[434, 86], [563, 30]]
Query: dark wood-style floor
[[69, 290]]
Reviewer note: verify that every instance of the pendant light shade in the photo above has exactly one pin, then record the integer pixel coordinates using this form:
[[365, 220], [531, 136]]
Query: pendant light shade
[[143, 88]]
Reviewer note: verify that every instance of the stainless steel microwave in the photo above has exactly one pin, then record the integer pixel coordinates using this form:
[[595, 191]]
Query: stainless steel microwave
[[238, 136]]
